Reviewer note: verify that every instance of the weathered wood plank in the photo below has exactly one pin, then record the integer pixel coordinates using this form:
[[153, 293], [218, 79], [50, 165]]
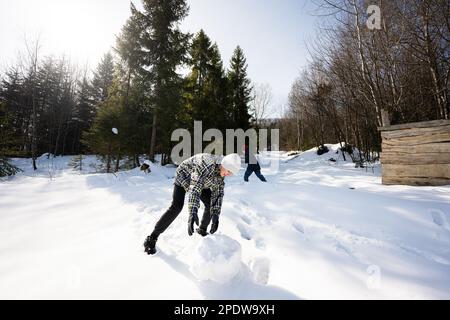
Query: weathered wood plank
[[414, 132], [426, 148], [416, 153], [424, 124], [411, 181], [419, 140], [420, 171], [415, 158]]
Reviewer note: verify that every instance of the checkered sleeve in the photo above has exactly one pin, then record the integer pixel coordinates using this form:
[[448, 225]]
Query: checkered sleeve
[[196, 187], [216, 199]]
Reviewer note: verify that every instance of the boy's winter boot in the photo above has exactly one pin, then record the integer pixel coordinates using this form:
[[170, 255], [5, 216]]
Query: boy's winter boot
[[150, 245]]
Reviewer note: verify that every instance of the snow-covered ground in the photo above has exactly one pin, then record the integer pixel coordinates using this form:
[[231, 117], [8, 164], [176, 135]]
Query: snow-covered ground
[[317, 230]]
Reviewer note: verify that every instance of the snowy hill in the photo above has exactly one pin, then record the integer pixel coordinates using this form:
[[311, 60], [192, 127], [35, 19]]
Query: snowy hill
[[317, 230]]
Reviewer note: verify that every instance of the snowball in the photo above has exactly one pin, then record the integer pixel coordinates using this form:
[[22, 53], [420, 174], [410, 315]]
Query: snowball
[[115, 130], [217, 258]]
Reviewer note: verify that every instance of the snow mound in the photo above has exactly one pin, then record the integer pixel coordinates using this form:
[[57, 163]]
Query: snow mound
[[217, 258]]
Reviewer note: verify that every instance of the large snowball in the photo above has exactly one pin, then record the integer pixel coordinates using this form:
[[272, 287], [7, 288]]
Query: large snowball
[[217, 258]]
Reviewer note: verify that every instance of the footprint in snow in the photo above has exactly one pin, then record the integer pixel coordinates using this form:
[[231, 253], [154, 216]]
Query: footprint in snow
[[260, 243], [343, 249], [299, 227], [141, 208], [245, 232], [439, 218], [260, 268], [246, 220], [245, 203], [426, 255]]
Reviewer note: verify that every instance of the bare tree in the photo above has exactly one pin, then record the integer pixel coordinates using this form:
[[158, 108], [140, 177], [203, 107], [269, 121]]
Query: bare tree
[[262, 99]]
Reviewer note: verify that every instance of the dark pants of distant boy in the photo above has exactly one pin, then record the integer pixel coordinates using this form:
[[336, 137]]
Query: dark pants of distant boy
[[256, 169], [177, 206]]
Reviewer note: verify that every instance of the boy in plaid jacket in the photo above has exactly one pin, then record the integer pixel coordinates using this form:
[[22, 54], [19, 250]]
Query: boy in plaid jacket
[[203, 179]]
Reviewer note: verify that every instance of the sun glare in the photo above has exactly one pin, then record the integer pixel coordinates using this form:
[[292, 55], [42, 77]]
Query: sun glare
[[81, 30]]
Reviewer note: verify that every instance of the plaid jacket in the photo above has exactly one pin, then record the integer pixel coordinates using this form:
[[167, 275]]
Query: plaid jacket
[[198, 173]]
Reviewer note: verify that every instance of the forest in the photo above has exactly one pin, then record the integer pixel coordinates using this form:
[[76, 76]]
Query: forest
[[358, 79]]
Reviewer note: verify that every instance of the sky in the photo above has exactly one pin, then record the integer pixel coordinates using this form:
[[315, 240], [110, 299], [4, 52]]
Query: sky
[[272, 33]]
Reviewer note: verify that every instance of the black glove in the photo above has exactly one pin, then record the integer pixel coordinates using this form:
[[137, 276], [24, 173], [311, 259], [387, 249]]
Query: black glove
[[193, 218], [215, 223]]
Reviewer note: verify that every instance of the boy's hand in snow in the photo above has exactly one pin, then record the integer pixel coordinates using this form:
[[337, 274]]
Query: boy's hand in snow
[[215, 223], [193, 218]]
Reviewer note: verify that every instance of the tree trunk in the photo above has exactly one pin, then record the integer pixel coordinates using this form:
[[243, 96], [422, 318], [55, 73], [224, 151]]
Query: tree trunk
[[33, 135], [108, 160], [153, 140], [118, 162], [127, 94], [364, 68], [136, 161], [64, 139], [58, 135]]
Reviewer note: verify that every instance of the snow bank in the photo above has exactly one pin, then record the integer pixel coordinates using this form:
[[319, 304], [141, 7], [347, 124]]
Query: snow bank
[[217, 258]]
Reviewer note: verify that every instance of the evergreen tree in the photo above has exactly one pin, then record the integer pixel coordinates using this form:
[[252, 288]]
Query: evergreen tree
[[85, 111], [6, 140], [6, 168], [195, 95], [206, 90], [134, 85], [102, 138], [103, 78], [165, 50], [219, 91], [240, 90], [14, 118], [77, 163], [5, 133], [129, 119], [129, 49]]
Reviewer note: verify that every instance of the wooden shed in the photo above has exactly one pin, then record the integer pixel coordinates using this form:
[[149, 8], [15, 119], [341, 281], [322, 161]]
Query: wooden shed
[[416, 154]]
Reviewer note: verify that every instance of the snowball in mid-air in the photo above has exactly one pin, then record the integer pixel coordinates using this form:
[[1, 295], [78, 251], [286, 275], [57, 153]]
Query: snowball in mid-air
[[115, 130], [217, 258]]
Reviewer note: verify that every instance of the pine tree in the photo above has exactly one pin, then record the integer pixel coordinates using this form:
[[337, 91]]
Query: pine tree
[[103, 78], [165, 50], [219, 91], [130, 122], [240, 90], [14, 118], [6, 168], [85, 111], [129, 49], [206, 90], [102, 139], [134, 85], [195, 95], [77, 162]]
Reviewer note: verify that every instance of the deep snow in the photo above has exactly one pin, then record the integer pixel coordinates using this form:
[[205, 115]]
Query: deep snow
[[317, 230]]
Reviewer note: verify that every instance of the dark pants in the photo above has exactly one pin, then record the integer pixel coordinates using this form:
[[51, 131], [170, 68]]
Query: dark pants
[[256, 169], [176, 207]]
